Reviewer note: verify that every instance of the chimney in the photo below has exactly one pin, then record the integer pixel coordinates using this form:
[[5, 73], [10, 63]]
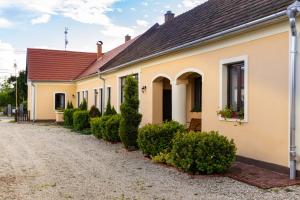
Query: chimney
[[127, 38], [169, 16], [99, 49]]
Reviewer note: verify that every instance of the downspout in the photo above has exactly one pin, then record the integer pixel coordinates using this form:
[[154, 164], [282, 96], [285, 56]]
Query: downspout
[[292, 13], [33, 103], [104, 91]]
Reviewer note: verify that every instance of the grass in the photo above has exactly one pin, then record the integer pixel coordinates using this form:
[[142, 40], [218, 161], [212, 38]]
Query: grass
[[83, 132]]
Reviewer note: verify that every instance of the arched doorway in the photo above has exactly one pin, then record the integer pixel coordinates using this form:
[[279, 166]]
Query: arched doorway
[[188, 96], [162, 99]]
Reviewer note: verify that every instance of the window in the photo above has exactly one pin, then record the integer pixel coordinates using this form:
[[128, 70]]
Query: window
[[59, 101], [235, 87], [109, 95], [197, 94], [123, 79], [78, 99], [101, 100], [95, 97]]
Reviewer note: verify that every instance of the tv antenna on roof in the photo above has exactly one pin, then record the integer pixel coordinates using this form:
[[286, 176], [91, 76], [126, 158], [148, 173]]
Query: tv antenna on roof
[[66, 37]]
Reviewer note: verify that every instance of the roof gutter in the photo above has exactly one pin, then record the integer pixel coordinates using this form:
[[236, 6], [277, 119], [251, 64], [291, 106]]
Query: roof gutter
[[292, 13], [205, 39]]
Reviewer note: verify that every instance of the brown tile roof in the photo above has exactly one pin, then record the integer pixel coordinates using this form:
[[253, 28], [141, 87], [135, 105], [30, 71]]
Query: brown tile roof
[[207, 19], [93, 68], [56, 65]]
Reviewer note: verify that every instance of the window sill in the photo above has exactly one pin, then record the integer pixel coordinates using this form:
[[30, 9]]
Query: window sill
[[233, 120]]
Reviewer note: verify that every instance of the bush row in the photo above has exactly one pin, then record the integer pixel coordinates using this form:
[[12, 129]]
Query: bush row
[[195, 152], [153, 139], [106, 127]]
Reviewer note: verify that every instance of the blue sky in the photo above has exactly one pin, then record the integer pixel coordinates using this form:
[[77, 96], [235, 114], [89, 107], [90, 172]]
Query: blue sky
[[40, 24]]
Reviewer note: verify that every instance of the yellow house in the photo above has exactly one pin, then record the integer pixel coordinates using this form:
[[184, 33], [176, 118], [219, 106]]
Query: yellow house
[[235, 55]]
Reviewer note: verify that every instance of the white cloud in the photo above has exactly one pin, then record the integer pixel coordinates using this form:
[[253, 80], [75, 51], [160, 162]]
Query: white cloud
[[41, 19], [8, 56], [84, 11], [142, 22], [193, 3], [133, 9], [145, 3], [5, 23]]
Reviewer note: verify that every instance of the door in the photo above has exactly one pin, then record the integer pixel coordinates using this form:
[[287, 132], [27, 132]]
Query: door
[[167, 105]]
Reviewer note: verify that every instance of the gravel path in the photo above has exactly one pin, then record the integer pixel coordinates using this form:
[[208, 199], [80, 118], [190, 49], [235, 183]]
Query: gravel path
[[49, 162]]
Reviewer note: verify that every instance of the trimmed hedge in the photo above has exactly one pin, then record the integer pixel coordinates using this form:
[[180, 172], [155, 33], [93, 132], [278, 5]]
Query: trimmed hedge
[[94, 112], [111, 132], [153, 139], [81, 120], [204, 153], [68, 117], [95, 127]]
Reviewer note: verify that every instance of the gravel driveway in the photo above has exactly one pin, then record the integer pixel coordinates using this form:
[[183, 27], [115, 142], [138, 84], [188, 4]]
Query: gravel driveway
[[49, 162]]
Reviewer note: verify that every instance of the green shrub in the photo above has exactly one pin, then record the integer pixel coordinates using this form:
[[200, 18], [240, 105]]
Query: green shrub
[[131, 118], [95, 127], [81, 120], [111, 132], [153, 139], [94, 112], [70, 105], [164, 158], [205, 153], [83, 105], [109, 110], [68, 117]]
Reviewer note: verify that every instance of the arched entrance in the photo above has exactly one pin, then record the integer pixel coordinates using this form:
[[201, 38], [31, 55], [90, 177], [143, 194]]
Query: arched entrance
[[187, 98], [162, 99]]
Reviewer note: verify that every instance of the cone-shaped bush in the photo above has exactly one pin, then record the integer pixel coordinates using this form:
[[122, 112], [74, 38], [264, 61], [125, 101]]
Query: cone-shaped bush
[[131, 118]]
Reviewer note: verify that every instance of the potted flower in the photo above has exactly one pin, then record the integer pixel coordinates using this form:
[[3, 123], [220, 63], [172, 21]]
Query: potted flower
[[229, 113]]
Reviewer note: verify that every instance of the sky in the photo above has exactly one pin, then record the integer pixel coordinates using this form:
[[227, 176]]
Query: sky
[[41, 23]]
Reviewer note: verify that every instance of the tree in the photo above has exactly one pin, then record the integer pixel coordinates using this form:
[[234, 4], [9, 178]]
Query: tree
[[131, 118]]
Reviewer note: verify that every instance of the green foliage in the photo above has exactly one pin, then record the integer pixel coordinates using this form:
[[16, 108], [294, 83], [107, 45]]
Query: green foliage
[[226, 113], [83, 105], [131, 118], [68, 117], [111, 132], [94, 112], [109, 110], [153, 139], [205, 153], [8, 90], [164, 158], [95, 127], [70, 105], [81, 120]]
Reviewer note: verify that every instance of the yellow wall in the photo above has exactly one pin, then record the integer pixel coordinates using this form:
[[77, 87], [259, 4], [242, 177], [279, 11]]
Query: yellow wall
[[263, 137]]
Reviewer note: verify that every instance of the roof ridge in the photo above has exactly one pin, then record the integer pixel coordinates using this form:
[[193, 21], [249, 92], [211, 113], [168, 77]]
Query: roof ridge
[[58, 50], [151, 30]]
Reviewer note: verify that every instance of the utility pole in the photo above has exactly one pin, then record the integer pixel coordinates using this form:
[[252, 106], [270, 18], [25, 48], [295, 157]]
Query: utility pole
[[15, 66], [66, 37]]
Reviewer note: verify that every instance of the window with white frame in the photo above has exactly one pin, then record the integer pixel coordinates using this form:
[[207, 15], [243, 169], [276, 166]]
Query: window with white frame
[[78, 99], [59, 101], [122, 85], [101, 100], [96, 97], [233, 89]]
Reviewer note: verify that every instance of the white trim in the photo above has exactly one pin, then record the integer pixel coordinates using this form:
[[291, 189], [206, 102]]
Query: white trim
[[223, 85], [58, 92], [163, 76], [188, 70]]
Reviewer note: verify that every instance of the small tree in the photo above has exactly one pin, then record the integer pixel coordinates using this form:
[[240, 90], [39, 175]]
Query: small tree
[[94, 112], [70, 105], [131, 118], [83, 105], [109, 110]]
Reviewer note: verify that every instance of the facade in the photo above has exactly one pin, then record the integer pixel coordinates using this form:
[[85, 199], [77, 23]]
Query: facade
[[238, 63]]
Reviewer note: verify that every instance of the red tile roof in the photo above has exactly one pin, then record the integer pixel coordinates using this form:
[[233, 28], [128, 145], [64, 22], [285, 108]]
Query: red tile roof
[[93, 68], [56, 65]]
